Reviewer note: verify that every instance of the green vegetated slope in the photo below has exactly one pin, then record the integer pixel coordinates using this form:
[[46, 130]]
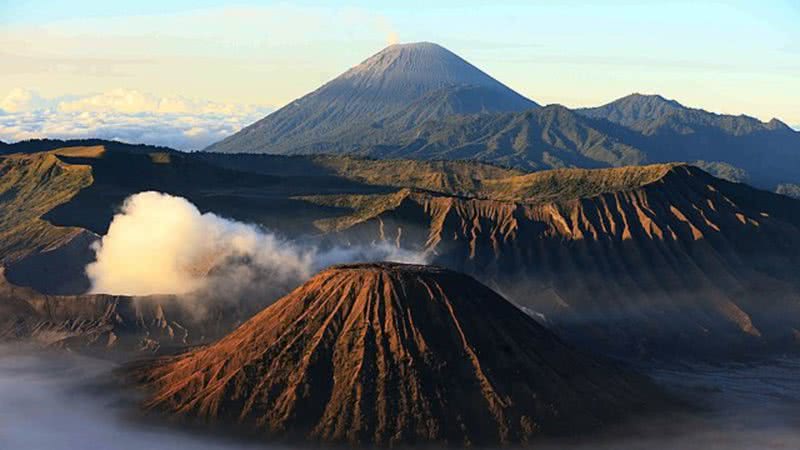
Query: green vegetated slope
[[554, 136], [30, 186], [450, 177]]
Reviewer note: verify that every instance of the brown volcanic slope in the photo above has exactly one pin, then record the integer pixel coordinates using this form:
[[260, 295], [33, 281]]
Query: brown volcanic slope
[[634, 260], [393, 354]]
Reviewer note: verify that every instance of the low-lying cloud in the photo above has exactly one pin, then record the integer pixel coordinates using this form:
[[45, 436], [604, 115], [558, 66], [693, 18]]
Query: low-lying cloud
[[124, 115], [162, 244], [65, 401]]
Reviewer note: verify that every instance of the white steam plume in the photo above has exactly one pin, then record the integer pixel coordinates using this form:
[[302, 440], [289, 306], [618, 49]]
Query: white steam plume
[[162, 244]]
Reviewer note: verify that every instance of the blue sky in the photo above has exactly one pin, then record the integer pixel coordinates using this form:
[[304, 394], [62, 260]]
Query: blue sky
[[726, 56]]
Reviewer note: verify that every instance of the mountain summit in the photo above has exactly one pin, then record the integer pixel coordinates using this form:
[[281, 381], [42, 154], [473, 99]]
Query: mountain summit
[[633, 108], [391, 354], [414, 69], [384, 84], [655, 114]]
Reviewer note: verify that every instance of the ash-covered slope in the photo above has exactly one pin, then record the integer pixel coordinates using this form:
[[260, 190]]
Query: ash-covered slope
[[382, 85], [395, 354], [637, 129]]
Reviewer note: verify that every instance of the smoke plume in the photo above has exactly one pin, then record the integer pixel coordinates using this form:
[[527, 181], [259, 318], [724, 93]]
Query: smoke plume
[[162, 244]]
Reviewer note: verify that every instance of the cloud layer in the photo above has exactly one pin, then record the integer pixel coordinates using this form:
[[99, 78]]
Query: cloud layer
[[125, 115]]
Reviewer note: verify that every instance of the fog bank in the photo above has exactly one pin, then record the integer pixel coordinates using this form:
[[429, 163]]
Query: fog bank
[[50, 402]]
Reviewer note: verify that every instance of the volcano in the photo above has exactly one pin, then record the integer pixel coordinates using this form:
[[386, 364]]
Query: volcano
[[391, 354], [383, 85]]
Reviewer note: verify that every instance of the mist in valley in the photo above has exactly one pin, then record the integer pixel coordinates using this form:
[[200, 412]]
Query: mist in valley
[[57, 400], [61, 400]]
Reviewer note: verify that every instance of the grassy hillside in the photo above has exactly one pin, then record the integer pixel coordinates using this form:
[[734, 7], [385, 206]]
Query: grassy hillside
[[31, 186], [569, 184], [451, 177]]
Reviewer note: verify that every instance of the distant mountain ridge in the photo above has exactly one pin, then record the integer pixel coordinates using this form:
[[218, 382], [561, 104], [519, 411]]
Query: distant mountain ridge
[[634, 130], [549, 137], [633, 108], [422, 101], [769, 152], [382, 85], [650, 113], [43, 145]]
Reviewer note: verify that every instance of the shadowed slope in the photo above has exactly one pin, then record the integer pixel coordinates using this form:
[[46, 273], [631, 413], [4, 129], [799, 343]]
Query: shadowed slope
[[668, 131], [93, 322], [450, 177], [549, 137], [30, 186], [390, 354]]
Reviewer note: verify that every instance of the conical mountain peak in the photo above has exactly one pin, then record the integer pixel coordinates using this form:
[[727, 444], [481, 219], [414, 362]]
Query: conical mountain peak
[[422, 66], [389, 354], [383, 85]]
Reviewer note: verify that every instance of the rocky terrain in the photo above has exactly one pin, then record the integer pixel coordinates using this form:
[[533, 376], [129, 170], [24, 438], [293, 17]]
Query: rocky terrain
[[393, 354], [655, 261], [658, 259], [111, 326], [99, 323]]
